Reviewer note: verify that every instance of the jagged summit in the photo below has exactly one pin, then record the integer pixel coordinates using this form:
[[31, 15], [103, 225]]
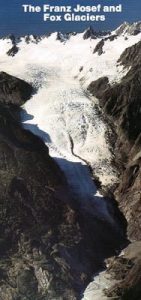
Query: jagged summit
[[129, 28], [64, 37], [93, 34], [89, 33], [124, 28]]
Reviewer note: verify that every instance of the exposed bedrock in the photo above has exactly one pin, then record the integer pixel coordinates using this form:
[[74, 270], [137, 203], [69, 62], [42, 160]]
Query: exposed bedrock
[[14, 90], [131, 56], [98, 87], [129, 28], [13, 51], [91, 33], [121, 103], [99, 47]]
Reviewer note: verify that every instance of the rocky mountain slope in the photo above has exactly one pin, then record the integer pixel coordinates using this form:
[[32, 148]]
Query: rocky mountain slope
[[13, 90], [121, 102]]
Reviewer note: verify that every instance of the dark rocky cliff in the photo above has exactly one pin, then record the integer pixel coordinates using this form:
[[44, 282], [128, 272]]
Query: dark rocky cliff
[[121, 103], [36, 225], [14, 90]]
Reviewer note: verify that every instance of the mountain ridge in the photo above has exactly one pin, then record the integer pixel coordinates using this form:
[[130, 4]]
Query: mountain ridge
[[125, 28], [122, 103]]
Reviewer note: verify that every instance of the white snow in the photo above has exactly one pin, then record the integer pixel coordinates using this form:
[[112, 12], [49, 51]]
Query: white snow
[[60, 112], [106, 64], [95, 290]]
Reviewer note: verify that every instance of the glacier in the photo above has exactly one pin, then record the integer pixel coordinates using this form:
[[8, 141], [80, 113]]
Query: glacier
[[65, 116], [62, 113]]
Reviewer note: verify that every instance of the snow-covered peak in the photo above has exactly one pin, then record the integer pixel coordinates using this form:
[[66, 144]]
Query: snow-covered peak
[[32, 39], [89, 33], [93, 34], [121, 29], [128, 28], [64, 37]]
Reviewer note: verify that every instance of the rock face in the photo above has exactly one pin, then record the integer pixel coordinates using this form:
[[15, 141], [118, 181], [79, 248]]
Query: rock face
[[33, 217], [126, 271], [49, 248], [63, 37], [122, 101], [98, 87], [127, 28], [36, 225], [91, 33], [99, 47], [14, 50], [122, 104], [131, 56], [32, 39], [14, 90]]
